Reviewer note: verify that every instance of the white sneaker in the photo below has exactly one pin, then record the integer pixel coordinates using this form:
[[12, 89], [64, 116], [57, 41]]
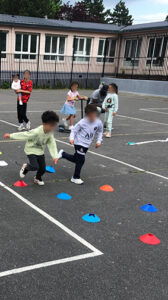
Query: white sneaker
[[22, 175], [70, 127], [108, 135], [28, 125], [37, 181], [60, 154], [65, 122], [77, 181], [21, 127]]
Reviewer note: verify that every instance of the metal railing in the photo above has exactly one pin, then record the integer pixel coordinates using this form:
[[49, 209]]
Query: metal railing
[[47, 72]]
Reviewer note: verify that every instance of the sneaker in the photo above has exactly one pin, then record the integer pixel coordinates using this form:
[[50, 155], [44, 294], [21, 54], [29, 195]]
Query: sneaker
[[28, 125], [37, 181], [70, 127], [108, 135], [21, 127], [77, 180], [65, 122], [60, 154], [22, 175], [105, 133]]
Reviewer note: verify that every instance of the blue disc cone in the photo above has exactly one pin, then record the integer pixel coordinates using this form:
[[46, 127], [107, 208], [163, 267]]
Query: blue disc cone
[[91, 218], [64, 196], [149, 208], [50, 169], [131, 143]]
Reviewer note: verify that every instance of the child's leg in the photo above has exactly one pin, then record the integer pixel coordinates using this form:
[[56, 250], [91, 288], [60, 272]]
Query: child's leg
[[42, 167], [68, 156], [79, 161], [19, 96], [109, 121], [71, 120], [33, 164]]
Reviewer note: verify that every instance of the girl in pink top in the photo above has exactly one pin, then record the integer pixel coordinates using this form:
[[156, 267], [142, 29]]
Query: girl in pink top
[[69, 106]]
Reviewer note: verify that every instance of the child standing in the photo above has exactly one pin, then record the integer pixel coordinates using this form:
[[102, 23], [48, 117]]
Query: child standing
[[82, 136], [110, 106], [17, 86], [69, 106], [36, 140], [26, 89]]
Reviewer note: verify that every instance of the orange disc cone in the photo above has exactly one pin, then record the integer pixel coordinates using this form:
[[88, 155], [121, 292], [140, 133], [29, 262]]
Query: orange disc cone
[[106, 188], [150, 239], [20, 183]]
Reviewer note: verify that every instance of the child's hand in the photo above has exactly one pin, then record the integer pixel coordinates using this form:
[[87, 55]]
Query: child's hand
[[71, 142], [114, 114], [55, 160], [97, 145], [6, 136]]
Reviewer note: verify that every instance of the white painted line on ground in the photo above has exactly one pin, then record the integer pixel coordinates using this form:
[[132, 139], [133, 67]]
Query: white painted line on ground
[[48, 264], [120, 162], [149, 142], [30, 111], [95, 252], [9, 123], [142, 120], [154, 108], [154, 111]]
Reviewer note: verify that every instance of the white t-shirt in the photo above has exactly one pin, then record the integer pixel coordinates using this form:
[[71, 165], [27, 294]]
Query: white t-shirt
[[71, 95], [16, 85]]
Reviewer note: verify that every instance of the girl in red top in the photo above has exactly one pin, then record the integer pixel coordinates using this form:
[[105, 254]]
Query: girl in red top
[[26, 89]]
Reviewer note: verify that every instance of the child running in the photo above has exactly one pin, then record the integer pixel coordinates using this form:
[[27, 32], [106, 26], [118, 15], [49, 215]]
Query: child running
[[17, 86], [82, 136], [110, 106], [69, 106], [26, 89], [36, 140]]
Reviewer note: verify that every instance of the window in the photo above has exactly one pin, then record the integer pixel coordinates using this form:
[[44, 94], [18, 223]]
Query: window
[[82, 48], [106, 49], [54, 48], [26, 46], [156, 51], [132, 52], [3, 36]]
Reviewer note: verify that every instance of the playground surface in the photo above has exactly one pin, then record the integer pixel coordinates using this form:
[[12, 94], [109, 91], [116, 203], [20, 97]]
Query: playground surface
[[47, 251]]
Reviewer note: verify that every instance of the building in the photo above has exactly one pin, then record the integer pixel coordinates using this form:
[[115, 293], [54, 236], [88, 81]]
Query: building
[[58, 51]]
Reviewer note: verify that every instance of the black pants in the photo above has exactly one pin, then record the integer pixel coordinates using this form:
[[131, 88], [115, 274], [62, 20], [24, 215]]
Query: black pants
[[78, 158], [36, 163], [21, 111]]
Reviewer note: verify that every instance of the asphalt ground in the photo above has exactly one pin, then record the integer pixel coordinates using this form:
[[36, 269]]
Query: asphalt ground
[[46, 250]]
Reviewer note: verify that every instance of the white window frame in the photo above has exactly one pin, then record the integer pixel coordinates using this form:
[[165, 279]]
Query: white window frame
[[131, 59], [108, 57], [152, 58], [51, 54], [29, 45], [5, 52], [82, 55]]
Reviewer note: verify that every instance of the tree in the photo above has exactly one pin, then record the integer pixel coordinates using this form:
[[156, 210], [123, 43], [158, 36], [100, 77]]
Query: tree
[[166, 18], [120, 15], [84, 11], [32, 8]]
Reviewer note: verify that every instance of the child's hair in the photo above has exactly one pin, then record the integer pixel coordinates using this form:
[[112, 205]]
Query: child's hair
[[49, 117], [27, 71], [15, 76], [104, 90], [115, 87], [90, 108], [73, 83]]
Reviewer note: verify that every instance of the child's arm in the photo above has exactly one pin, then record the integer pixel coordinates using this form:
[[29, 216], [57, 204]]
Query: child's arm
[[115, 103], [52, 147], [99, 135], [74, 132], [21, 136]]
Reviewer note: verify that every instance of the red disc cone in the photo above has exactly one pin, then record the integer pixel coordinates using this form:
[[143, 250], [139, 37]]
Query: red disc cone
[[150, 239], [20, 183], [107, 188]]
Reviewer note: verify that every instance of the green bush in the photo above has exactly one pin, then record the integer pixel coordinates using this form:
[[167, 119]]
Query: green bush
[[5, 85]]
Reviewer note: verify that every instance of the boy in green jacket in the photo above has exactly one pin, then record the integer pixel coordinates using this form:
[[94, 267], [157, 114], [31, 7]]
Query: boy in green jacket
[[36, 140]]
